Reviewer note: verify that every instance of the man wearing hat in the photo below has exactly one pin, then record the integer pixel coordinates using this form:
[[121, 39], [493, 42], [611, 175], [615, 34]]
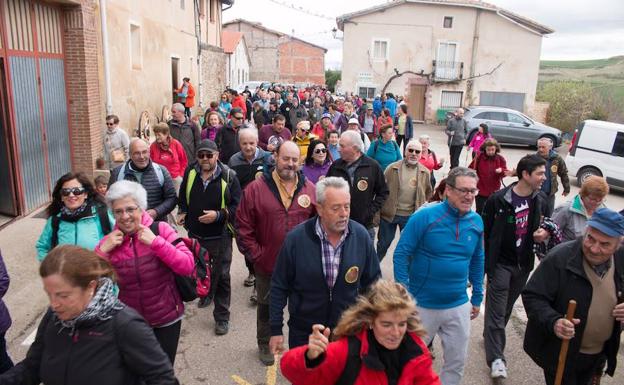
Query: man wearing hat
[[368, 122], [321, 128], [208, 199], [589, 270], [354, 125]]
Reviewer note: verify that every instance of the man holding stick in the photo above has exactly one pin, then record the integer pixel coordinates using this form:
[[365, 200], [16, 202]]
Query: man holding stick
[[589, 270]]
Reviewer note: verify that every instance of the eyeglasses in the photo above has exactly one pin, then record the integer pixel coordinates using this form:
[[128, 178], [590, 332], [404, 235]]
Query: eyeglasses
[[205, 155], [413, 151], [239, 117], [128, 210], [75, 190], [110, 124], [320, 151], [465, 191]]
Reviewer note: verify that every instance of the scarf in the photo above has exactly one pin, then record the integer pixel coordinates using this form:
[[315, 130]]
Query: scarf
[[74, 215], [542, 248], [102, 307]]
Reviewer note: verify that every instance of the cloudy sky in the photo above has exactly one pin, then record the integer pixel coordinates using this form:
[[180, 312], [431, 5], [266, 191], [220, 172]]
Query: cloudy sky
[[585, 29]]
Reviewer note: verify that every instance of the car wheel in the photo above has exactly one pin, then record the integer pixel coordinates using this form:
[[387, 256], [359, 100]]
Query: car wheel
[[585, 173], [552, 138]]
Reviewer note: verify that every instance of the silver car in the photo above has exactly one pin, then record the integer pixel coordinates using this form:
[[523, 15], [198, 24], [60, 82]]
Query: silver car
[[509, 126]]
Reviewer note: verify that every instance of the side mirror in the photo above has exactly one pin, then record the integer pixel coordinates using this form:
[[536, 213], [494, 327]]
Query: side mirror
[[527, 124]]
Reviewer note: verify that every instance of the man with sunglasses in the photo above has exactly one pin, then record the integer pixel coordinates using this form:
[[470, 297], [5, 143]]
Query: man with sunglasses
[[208, 200], [409, 183], [511, 218], [227, 137], [116, 143]]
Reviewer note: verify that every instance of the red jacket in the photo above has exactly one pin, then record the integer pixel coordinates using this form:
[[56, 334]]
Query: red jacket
[[485, 166], [240, 103], [416, 371], [190, 95], [262, 221], [173, 159]]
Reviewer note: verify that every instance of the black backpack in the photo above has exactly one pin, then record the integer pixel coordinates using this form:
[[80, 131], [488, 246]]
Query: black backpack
[[102, 213]]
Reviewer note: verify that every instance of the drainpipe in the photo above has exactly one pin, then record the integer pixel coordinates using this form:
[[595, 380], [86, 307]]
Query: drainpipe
[[107, 82], [473, 57], [200, 82]]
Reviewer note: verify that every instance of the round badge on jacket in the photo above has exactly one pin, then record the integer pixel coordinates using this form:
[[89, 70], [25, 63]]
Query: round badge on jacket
[[258, 175], [352, 274], [553, 168], [413, 182], [362, 185], [304, 201]]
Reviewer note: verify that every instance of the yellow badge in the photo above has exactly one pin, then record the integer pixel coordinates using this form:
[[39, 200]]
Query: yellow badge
[[304, 201], [258, 175], [413, 182], [362, 185], [352, 274], [553, 168]]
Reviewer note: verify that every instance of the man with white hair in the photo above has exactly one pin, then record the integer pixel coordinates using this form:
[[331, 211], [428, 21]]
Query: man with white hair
[[354, 125], [324, 264], [364, 176], [409, 184], [184, 130], [555, 166]]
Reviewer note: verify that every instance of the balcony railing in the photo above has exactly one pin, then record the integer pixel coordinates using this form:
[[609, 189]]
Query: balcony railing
[[448, 71]]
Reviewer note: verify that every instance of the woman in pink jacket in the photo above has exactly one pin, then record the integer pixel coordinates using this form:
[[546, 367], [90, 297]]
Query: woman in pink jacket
[[145, 263], [478, 138]]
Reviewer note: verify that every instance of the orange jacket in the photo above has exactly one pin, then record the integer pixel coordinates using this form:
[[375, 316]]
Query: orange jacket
[[190, 95]]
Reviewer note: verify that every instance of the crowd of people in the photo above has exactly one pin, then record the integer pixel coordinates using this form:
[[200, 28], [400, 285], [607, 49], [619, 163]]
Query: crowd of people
[[305, 181]]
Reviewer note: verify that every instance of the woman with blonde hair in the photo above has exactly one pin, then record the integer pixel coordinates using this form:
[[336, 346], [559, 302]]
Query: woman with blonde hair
[[377, 341]]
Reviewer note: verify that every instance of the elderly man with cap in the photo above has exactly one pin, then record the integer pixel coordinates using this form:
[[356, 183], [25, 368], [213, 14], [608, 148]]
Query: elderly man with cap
[[354, 125], [589, 270], [209, 195]]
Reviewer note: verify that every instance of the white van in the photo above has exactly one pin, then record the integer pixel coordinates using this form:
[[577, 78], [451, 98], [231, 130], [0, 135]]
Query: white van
[[597, 148]]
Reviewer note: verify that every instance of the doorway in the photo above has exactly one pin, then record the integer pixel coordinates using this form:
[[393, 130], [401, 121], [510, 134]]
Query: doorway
[[175, 70], [8, 198], [416, 101]]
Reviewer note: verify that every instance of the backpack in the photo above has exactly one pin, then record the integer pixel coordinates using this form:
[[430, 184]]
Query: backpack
[[197, 284], [376, 146], [102, 213], [157, 168]]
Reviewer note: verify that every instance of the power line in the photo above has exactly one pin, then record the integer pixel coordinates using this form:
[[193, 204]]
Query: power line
[[301, 9]]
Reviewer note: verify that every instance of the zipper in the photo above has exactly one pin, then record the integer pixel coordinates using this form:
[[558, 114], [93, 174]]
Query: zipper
[[74, 339], [136, 271], [76, 233], [457, 230]]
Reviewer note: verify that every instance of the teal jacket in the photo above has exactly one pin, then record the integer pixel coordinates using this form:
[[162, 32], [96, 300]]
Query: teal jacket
[[384, 153], [86, 232]]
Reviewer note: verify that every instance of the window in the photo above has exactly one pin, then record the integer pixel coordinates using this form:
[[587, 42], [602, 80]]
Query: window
[[451, 99], [380, 49], [181, 4], [448, 22], [446, 61], [135, 46], [212, 5], [618, 145], [513, 118], [492, 115], [366, 92]]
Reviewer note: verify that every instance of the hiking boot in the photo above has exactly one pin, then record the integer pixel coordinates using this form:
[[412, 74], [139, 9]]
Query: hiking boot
[[265, 355], [250, 280], [204, 302], [499, 369], [254, 297], [222, 328]]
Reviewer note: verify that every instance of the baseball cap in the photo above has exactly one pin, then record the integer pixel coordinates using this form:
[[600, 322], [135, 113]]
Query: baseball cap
[[369, 106], [207, 145], [354, 121], [607, 221], [326, 115]]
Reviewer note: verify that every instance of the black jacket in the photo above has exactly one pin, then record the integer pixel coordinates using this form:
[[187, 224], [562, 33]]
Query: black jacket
[[121, 351], [161, 198], [368, 190], [499, 230], [188, 134], [227, 142], [559, 278]]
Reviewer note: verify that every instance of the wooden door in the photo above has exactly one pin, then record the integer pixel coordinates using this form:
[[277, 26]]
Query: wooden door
[[416, 101]]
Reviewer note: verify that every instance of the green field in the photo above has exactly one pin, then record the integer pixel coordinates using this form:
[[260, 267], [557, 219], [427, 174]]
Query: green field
[[581, 64]]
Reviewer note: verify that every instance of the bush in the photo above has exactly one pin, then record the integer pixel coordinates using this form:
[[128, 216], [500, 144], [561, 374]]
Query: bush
[[331, 77]]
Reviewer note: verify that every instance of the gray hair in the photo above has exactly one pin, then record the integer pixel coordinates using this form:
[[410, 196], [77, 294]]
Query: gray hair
[[546, 140], [127, 189], [459, 172], [248, 131], [135, 140], [178, 107], [355, 139], [424, 137], [331, 181]]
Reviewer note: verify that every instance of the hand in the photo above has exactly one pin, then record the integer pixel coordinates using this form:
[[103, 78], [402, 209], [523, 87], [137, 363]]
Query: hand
[[510, 172], [270, 147], [564, 329], [112, 240], [146, 236], [276, 344], [498, 170], [152, 213], [618, 312], [474, 312], [318, 341], [565, 194], [208, 217], [540, 235], [441, 161], [180, 219]]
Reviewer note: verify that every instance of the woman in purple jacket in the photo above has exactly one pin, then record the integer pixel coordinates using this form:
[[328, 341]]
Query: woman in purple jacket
[[5, 318], [146, 263], [317, 161]]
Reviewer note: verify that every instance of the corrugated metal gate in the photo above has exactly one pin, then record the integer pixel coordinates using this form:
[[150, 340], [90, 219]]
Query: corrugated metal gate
[[32, 35], [514, 100]]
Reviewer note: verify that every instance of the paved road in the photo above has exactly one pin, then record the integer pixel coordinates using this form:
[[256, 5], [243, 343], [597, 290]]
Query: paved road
[[207, 359]]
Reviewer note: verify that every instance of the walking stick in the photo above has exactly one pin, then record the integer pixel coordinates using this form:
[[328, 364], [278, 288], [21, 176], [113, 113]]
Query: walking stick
[[564, 344]]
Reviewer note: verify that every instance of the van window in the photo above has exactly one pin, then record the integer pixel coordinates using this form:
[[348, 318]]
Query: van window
[[513, 118], [618, 145]]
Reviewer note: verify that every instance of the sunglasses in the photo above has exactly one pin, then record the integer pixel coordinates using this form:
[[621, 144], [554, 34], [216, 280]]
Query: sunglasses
[[237, 117], [320, 151], [110, 124], [205, 155], [75, 190], [413, 151]]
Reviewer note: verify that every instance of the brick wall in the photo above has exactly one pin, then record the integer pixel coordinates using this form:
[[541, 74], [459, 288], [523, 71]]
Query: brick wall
[[300, 62], [85, 107]]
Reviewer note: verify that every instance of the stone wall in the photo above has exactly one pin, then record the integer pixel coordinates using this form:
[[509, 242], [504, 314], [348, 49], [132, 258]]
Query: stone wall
[[539, 111], [213, 73]]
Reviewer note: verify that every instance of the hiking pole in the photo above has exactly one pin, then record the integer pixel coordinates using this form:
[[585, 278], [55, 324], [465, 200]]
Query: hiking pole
[[564, 344]]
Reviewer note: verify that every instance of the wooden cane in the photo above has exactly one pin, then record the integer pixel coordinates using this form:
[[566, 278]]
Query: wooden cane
[[564, 344]]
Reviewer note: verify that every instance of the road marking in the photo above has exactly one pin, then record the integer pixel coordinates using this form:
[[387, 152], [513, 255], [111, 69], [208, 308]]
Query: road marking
[[30, 339], [271, 374], [240, 381]]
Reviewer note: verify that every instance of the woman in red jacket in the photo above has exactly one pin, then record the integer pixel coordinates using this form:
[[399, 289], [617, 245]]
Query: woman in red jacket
[[169, 153], [377, 342], [491, 168]]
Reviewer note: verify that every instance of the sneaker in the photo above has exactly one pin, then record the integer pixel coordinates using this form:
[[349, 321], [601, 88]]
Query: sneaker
[[250, 280], [265, 355], [499, 369], [204, 302], [254, 297], [222, 328]]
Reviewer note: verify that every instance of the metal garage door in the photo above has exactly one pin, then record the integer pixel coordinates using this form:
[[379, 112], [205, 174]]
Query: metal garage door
[[513, 100]]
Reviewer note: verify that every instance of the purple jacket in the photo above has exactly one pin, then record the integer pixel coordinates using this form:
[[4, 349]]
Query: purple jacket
[[5, 317], [313, 171], [146, 273], [210, 132]]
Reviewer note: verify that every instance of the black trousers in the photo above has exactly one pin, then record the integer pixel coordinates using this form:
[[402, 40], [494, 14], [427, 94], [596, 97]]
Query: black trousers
[[220, 251], [263, 328], [5, 361], [581, 373], [455, 152], [400, 139], [168, 338], [480, 203], [550, 205]]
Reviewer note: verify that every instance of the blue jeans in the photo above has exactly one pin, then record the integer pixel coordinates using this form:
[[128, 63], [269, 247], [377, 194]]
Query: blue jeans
[[387, 230]]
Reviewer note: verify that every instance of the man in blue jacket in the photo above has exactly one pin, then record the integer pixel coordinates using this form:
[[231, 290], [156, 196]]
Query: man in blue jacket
[[324, 263], [440, 249]]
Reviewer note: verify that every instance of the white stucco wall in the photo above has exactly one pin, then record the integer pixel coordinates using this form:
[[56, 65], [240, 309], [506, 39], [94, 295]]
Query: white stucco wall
[[237, 63]]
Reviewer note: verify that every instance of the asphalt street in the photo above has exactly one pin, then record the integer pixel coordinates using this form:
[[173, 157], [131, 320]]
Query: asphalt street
[[204, 358]]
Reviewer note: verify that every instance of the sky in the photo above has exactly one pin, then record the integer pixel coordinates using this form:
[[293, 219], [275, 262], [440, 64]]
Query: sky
[[584, 29]]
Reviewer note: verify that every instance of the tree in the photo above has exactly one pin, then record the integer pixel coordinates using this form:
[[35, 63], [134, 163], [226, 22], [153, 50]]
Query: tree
[[571, 102], [331, 77]]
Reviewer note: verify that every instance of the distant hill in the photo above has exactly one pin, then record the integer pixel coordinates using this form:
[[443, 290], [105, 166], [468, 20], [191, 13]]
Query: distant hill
[[581, 64]]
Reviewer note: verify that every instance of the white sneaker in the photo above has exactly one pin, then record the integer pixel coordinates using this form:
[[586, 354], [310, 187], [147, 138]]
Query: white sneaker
[[499, 370]]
